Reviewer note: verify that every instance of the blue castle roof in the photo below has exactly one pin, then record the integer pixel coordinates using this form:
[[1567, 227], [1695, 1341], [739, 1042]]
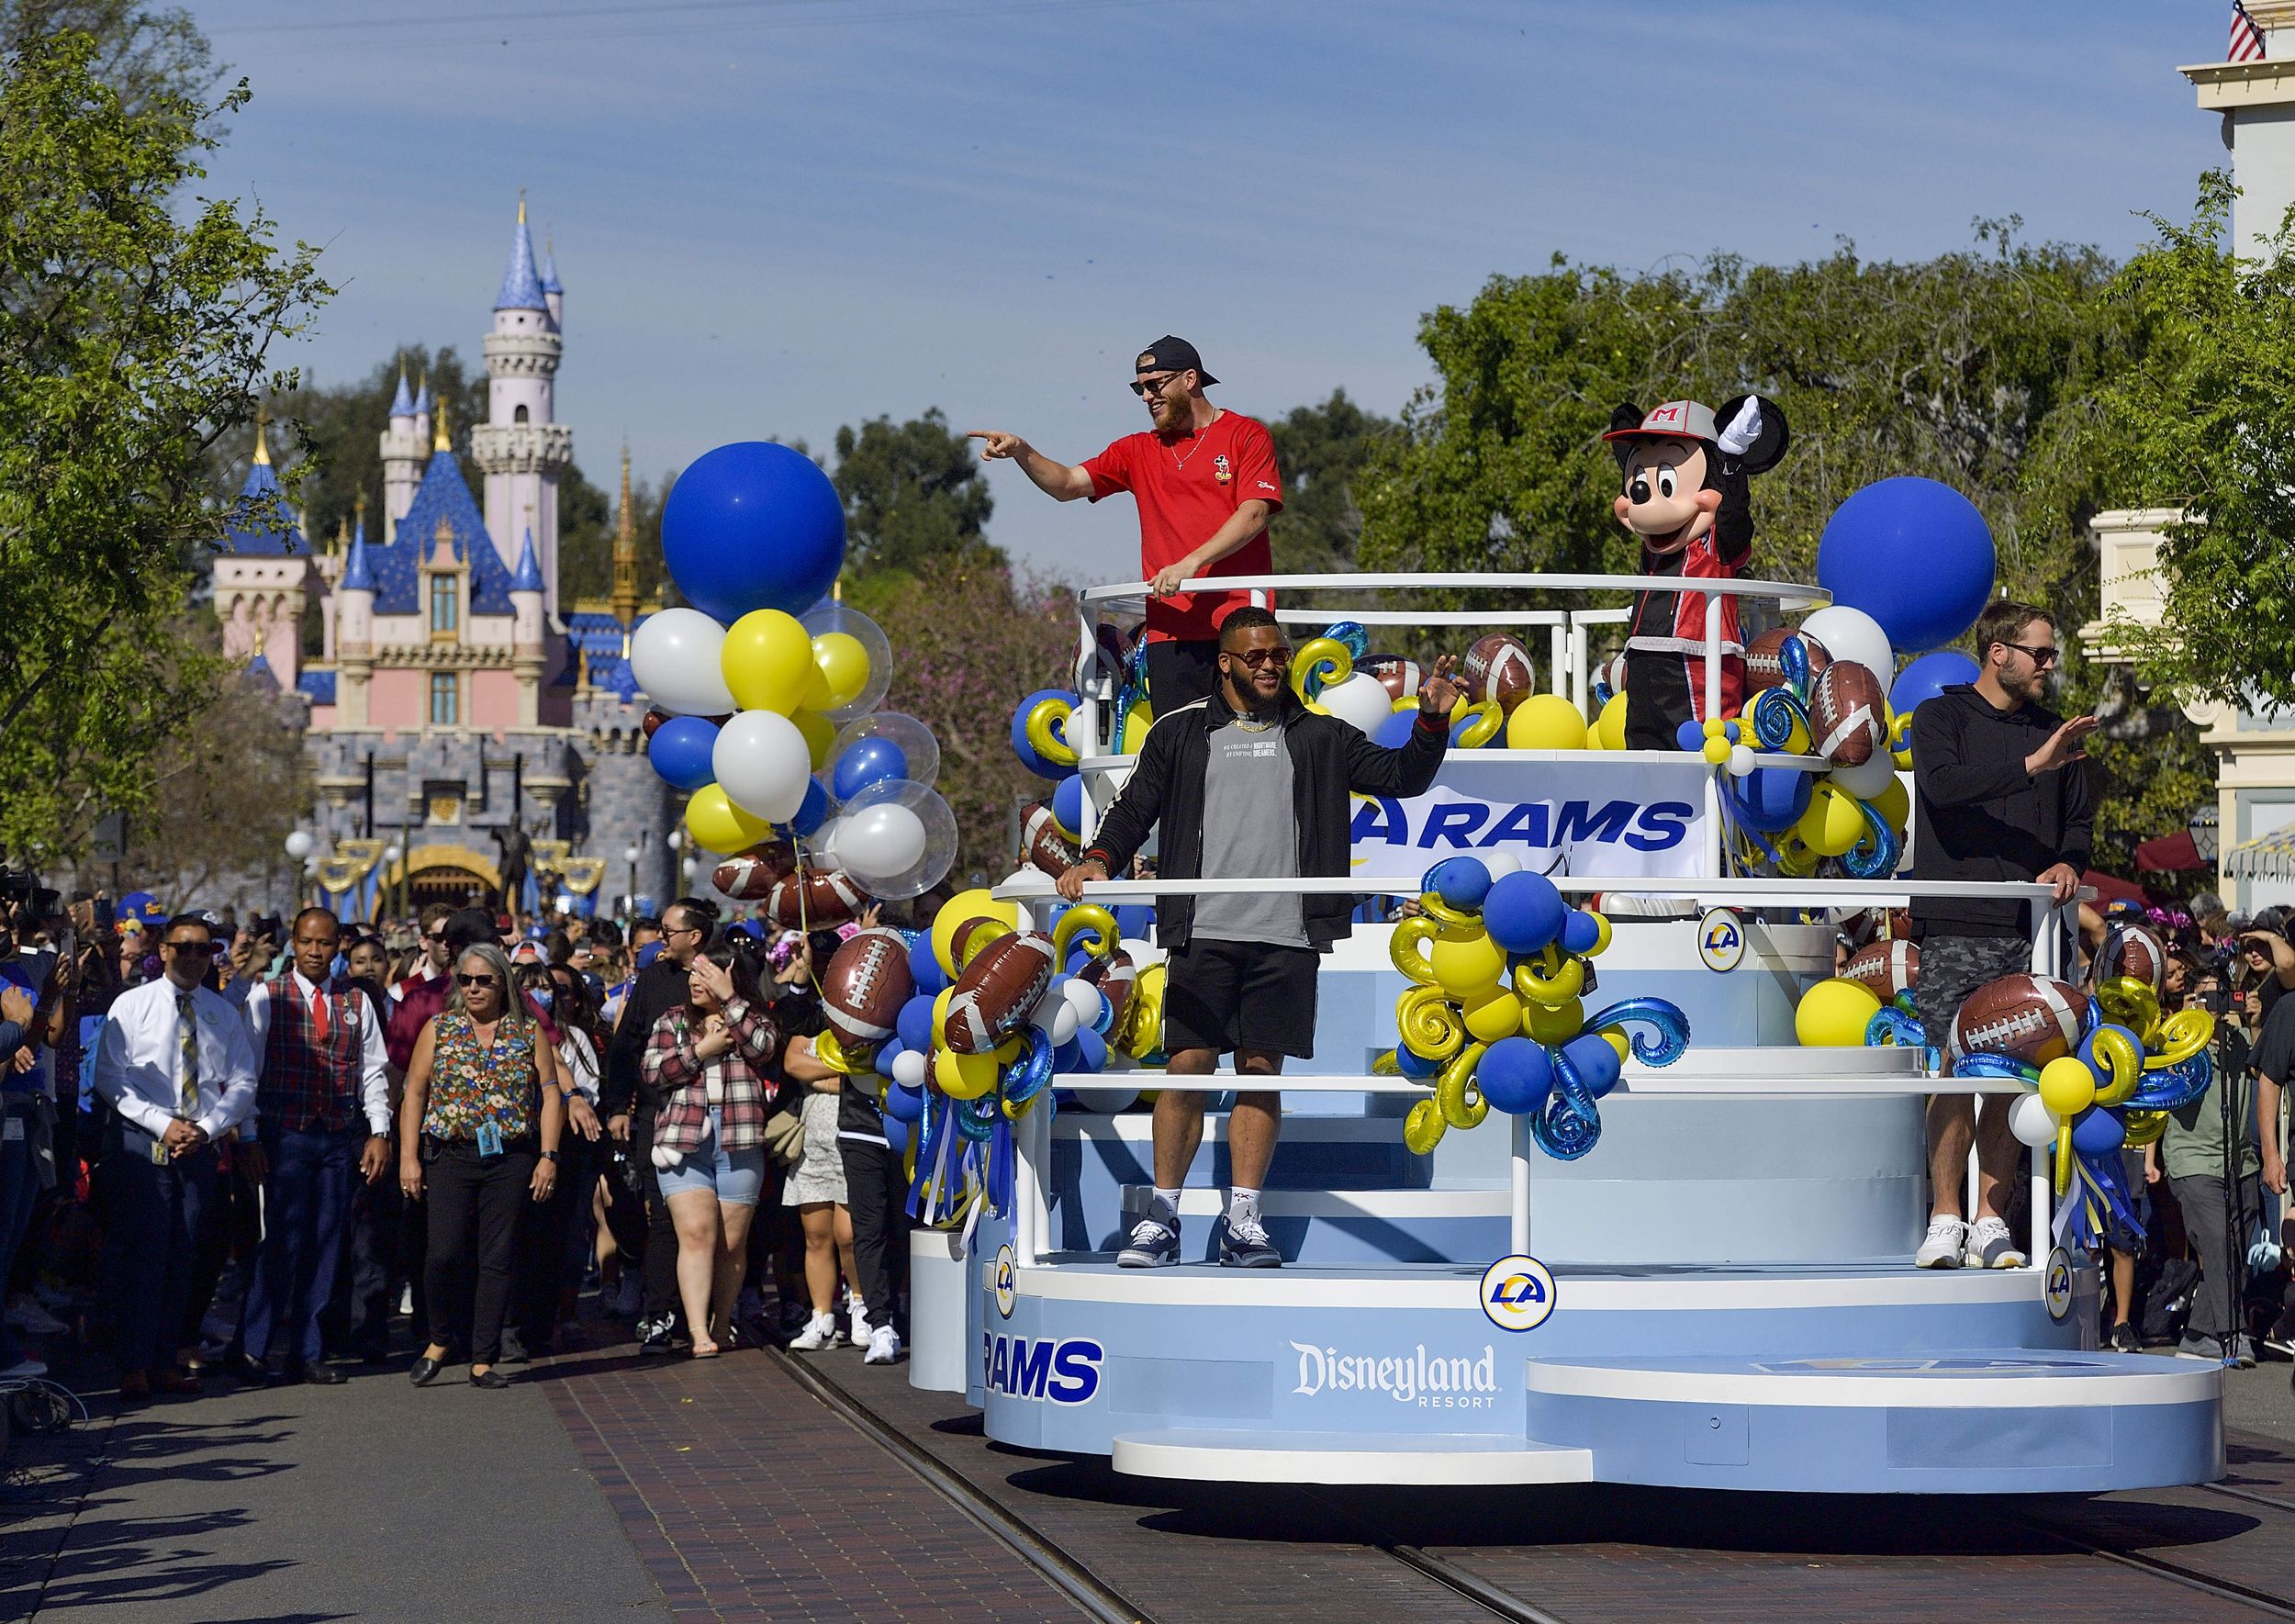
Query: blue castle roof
[[441, 497], [522, 287], [252, 530], [550, 283], [528, 576], [260, 667], [422, 396], [357, 577], [318, 687], [402, 403], [599, 636]]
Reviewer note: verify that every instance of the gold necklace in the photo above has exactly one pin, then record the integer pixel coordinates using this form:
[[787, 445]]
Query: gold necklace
[[1181, 462]]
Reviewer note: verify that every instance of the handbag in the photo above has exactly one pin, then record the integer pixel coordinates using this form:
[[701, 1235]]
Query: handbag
[[785, 1138]]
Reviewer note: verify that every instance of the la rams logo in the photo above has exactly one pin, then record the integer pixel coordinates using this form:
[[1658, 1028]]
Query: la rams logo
[[1005, 1276], [1221, 469], [2055, 1287], [1721, 939], [1518, 1293]]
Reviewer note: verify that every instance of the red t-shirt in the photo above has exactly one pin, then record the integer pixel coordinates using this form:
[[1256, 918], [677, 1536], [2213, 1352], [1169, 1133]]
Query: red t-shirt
[[1187, 487]]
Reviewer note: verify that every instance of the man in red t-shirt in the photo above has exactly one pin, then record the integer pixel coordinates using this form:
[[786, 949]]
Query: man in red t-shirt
[[1206, 484]]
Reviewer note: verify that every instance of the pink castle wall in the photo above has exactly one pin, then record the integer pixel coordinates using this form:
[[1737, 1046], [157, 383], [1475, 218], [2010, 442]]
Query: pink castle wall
[[399, 697], [493, 697]]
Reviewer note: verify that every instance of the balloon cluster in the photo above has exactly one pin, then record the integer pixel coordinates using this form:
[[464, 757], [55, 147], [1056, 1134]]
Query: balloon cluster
[[765, 692], [1495, 1015]]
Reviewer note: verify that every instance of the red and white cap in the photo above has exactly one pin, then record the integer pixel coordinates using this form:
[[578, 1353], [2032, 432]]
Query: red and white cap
[[1672, 420]]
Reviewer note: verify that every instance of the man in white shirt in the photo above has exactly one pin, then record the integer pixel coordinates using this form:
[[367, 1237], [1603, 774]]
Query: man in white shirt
[[174, 1064], [323, 1092]]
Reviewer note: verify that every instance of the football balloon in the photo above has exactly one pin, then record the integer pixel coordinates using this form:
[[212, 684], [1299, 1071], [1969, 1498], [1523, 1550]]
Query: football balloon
[[1499, 667], [2034, 1019], [751, 876], [1765, 668], [819, 898], [865, 983], [1848, 715], [1888, 968], [1043, 844], [997, 991]]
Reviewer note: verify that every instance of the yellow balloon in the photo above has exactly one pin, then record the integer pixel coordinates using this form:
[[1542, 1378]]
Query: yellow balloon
[[1423, 1128], [843, 661], [964, 906], [1832, 824], [2067, 1087], [717, 823], [819, 736], [767, 662], [1554, 1024], [1894, 804], [1466, 964], [1609, 727], [964, 1076], [1619, 1041], [1492, 1015], [1834, 1013], [1143, 1015], [940, 1010], [1546, 722], [1135, 730]]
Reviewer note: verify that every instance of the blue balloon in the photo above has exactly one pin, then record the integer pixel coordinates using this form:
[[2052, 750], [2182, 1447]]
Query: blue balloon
[[897, 1129], [1515, 1076], [1134, 920], [890, 1049], [1087, 1051], [1462, 882], [1067, 805], [1769, 798], [924, 969], [753, 525], [1394, 731], [1580, 932], [812, 812], [1597, 1064], [680, 749], [903, 1104], [1411, 1063], [1030, 757], [1691, 735], [1914, 555], [2098, 1132], [867, 761], [1930, 675], [915, 1023], [1523, 911]]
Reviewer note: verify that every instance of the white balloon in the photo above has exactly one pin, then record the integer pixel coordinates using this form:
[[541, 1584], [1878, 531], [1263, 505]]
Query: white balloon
[[908, 1069], [1851, 634], [1056, 1015], [1500, 859], [298, 843], [1361, 702], [762, 764], [1868, 779], [1144, 952], [1085, 998], [1741, 762], [674, 655], [820, 845], [2031, 1122], [880, 842]]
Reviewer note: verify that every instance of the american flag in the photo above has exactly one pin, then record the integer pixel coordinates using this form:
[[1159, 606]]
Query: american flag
[[2247, 44]]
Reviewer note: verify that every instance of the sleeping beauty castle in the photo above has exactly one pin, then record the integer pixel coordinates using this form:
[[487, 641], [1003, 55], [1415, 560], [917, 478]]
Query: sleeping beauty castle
[[465, 725]]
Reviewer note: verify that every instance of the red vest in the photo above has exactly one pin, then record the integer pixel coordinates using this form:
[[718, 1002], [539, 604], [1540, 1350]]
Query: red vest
[[309, 1081]]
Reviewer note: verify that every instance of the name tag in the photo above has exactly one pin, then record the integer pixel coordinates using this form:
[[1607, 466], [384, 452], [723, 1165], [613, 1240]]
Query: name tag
[[489, 1139]]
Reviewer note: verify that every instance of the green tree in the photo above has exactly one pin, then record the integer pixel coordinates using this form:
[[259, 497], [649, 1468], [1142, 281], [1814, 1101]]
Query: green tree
[[1323, 451], [136, 321], [913, 496], [2198, 420], [587, 522]]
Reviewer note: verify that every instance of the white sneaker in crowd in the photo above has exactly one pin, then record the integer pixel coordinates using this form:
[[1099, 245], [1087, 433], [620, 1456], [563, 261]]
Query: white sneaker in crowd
[[858, 1310], [26, 1315], [1942, 1246], [1991, 1246], [820, 1332], [884, 1345]]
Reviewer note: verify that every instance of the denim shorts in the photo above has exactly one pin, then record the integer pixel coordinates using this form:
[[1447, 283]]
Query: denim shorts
[[734, 1177]]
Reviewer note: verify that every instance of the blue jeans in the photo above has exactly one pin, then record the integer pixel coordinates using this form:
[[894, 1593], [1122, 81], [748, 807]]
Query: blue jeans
[[151, 1218], [306, 1202], [20, 1188]]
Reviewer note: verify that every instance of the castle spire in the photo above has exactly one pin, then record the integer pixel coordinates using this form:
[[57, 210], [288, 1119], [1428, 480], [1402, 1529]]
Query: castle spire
[[439, 439], [625, 599], [402, 403], [521, 285], [263, 447]]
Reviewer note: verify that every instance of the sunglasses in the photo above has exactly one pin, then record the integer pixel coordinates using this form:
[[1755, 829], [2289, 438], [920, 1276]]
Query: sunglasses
[[2042, 657], [1255, 657], [463, 980], [1143, 387], [197, 949]]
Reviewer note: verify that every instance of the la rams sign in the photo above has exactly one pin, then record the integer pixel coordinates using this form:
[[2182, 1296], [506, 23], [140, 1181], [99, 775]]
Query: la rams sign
[[1630, 820]]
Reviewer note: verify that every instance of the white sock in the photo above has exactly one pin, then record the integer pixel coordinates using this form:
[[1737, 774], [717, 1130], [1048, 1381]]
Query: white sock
[[1243, 1207], [1170, 1200]]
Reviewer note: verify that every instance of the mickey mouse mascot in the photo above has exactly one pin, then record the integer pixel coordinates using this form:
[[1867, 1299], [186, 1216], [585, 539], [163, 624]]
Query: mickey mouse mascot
[[1685, 495]]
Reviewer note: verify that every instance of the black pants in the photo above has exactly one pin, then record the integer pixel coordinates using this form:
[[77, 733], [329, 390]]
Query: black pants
[[475, 1204], [543, 1231], [874, 1189], [661, 1230], [151, 1220], [1180, 674], [2213, 1312], [368, 1277]]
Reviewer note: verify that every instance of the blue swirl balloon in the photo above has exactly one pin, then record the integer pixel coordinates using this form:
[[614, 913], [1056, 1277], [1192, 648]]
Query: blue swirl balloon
[[1891, 1025], [1792, 660], [2171, 1086], [1572, 1122], [1995, 1066], [1874, 856], [1026, 1078], [1353, 636], [1773, 714], [1672, 1028], [977, 1120]]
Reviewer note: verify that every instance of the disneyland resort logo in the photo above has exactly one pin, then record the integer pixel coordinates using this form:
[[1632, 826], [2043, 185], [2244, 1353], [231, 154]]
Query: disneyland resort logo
[[1412, 1378]]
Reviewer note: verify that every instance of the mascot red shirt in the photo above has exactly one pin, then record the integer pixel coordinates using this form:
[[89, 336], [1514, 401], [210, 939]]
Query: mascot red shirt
[[1687, 498]]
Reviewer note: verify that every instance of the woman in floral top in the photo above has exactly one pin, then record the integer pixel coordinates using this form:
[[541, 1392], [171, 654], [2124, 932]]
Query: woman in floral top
[[479, 1128], [706, 1061]]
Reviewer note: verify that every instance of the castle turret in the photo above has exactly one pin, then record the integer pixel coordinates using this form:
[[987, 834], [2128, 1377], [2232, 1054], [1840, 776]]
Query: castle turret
[[422, 405], [521, 448], [354, 632], [528, 647], [625, 599], [262, 573], [402, 455], [552, 292]]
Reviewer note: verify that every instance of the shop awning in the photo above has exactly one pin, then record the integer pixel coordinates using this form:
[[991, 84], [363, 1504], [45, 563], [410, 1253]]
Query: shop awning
[[2267, 856], [2110, 890], [2170, 854]]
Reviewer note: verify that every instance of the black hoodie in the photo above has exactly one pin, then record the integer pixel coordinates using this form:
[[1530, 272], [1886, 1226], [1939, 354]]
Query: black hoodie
[[1977, 814]]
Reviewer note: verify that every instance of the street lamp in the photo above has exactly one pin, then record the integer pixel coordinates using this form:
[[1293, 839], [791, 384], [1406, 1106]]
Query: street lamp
[[391, 892], [630, 855]]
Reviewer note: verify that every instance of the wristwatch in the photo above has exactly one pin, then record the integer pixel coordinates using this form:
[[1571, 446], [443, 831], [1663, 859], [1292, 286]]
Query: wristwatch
[[548, 1156]]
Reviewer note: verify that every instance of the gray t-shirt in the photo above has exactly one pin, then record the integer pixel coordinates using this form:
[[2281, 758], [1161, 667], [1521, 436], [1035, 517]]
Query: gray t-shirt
[[1251, 828]]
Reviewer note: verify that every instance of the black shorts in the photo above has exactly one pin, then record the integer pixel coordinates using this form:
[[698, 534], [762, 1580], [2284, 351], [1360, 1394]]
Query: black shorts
[[1180, 674], [1240, 995]]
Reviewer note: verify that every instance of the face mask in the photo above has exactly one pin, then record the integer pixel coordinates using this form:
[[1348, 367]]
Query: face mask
[[543, 996]]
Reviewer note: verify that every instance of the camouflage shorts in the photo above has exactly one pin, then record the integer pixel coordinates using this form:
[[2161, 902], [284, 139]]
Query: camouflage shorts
[[1954, 967]]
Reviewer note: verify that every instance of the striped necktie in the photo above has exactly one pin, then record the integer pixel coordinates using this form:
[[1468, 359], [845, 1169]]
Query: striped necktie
[[187, 1036]]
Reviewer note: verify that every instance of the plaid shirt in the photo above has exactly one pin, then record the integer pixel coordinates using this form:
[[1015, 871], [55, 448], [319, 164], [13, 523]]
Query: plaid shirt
[[686, 1081]]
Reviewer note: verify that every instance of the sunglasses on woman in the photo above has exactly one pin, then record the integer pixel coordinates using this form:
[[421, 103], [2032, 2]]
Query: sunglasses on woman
[[477, 981]]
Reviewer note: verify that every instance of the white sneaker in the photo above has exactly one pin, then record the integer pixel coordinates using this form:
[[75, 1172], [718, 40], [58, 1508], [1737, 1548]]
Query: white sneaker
[[406, 1299], [820, 1332], [23, 1369], [26, 1315], [1942, 1246], [884, 1345], [859, 1313], [1991, 1246]]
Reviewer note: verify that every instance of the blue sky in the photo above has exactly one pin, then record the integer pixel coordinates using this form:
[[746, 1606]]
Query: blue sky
[[773, 217]]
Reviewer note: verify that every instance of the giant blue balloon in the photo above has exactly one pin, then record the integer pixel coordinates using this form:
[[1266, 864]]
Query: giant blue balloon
[[1597, 1062], [1515, 1075], [1523, 911], [753, 525], [1394, 731], [925, 972], [1914, 555], [865, 762], [680, 750], [1768, 798], [1928, 677]]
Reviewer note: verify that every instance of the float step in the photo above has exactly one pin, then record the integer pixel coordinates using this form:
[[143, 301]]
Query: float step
[[1209, 1455]]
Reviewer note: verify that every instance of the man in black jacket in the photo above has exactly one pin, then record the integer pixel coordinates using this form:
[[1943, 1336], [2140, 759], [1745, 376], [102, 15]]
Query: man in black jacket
[[1999, 793], [1248, 784], [687, 925]]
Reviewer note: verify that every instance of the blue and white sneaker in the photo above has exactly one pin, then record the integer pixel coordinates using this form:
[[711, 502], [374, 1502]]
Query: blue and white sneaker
[[1155, 1239], [1244, 1244]]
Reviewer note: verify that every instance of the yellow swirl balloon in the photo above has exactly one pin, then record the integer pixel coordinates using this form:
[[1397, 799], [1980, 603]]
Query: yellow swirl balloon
[[1043, 717], [2144, 1127], [1461, 1103], [1322, 659], [1423, 1127], [1432, 904], [1552, 979], [1430, 1028], [2130, 1002], [1085, 916], [1900, 739], [1488, 716], [2123, 1059], [1404, 945], [2182, 1035], [2064, 1159], [832, 1054], [1554, 1026], [1386, 1063]]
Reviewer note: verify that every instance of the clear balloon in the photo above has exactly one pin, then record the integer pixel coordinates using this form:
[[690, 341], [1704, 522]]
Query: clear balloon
[[675, 657], [762, 765], [844, 641], [919, 750], [890, 819]]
